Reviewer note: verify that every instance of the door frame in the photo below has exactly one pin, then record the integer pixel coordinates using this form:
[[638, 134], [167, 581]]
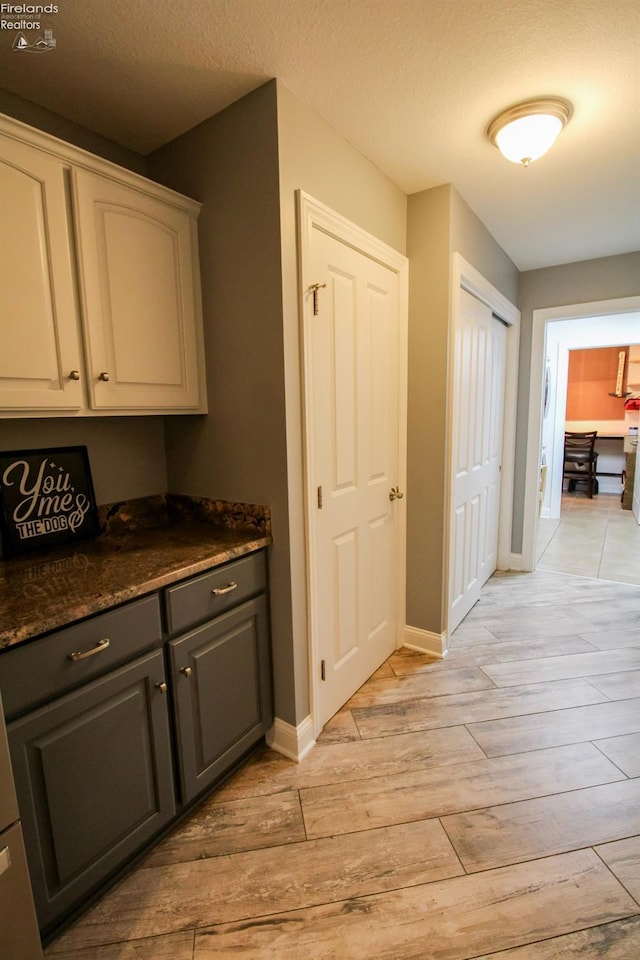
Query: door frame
[[314, 215], [466, 277], [540, 319]]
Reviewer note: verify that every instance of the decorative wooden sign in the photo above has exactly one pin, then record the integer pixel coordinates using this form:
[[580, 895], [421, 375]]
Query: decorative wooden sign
[[46, 498]]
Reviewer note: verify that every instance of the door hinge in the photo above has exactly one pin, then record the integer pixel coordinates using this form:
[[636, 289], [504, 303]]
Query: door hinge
[[323, 670], [319, 498]]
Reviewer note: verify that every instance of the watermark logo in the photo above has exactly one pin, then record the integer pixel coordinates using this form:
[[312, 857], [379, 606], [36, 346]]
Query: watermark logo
[[42, 45], [24, 21]]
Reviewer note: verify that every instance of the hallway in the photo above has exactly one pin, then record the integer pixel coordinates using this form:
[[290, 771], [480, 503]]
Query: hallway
[[486, 806]]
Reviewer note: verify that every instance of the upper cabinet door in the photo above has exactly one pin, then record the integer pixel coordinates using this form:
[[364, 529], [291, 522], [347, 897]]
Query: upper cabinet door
[[40, 366], [137, 260]]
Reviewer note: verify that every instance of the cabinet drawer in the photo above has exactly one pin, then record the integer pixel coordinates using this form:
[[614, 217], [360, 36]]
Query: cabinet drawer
[[35, 673], [204, 597]]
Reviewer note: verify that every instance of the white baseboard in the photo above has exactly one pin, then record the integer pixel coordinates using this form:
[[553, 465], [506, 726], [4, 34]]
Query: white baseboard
[[515, 562], [425, 641], [292, 742], [610, 485]]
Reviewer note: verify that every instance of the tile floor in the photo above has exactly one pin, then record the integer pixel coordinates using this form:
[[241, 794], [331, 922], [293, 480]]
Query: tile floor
[[593, 538], [486, 806]]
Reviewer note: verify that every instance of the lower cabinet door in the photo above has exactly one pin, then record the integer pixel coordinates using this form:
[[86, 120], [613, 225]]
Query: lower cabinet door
[[222, 686], [94, 780]]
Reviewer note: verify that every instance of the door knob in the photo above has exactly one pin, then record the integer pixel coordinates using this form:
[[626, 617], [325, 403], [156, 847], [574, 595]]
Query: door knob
[[394, 494]]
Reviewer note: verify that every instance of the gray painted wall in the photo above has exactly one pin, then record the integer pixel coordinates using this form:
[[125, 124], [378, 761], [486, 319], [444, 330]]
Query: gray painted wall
[[439, 224], [471, 239], [428, 245], [66, 130], [245, 165], [587, 281], [238, 451], [126, 454]]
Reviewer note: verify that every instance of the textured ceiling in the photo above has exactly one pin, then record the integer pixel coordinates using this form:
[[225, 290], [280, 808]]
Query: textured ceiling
[[411, 83]]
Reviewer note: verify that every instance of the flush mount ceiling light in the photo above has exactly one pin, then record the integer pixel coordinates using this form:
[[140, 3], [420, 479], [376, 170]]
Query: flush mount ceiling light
[[525, 131]]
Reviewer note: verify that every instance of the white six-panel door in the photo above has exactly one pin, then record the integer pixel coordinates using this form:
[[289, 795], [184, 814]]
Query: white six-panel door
[[478, 416], [353, 358]]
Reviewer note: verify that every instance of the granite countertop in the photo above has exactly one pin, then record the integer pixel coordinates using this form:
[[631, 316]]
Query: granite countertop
[[144, 545]]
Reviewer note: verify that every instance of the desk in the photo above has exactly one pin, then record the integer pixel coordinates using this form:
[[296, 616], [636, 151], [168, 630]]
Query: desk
[[610, 444], [611, 461]]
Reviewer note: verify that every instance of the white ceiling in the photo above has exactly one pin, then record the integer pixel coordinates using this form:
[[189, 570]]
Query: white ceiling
[[411, 83]]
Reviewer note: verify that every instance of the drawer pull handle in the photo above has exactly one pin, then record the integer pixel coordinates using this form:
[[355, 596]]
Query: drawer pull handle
[[83, 654], [220, 591], [162, 687], [186, 670], [5, 860]]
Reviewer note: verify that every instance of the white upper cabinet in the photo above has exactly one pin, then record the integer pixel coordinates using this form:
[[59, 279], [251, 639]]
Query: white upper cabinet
[[39, 347], [138, 296], [100, 286]]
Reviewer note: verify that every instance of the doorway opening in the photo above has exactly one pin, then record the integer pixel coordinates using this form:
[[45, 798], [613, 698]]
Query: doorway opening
[[555, 332]]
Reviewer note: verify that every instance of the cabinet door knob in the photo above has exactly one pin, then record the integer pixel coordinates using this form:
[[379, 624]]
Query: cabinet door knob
[[103, 376], [74, 375], [162, 687], [186, 670]]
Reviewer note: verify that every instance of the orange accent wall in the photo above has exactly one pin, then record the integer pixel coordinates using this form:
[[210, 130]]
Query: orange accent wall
[[592, 376]]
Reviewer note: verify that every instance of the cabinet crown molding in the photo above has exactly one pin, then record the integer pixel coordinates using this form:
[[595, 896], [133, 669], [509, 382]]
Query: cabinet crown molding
[[78, 157]]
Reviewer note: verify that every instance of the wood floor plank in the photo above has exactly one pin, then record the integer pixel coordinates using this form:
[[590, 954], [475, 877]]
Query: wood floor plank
[[541, 588], [562, 668], [162, 900], [611, 941], [618, 686], [624, 752], [592, 617], [612, 639], [534, 627], [530, 829], [451, 920], [341, 728], [428, 683], [217, 829], [573, 725], [339, 763], [506, 650], [175, 946], [330, 810], [386, 720], [623, 859]]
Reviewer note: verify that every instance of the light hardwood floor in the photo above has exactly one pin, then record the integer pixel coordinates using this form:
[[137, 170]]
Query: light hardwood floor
[[486, 806]]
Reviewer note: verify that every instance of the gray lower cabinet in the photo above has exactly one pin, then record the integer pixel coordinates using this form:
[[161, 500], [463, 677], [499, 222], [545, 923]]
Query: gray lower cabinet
[[222, 690], [116, 725], [94, 779]]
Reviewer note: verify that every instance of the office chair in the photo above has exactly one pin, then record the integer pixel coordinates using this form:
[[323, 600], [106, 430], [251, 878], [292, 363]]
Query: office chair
[[581, 460]]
